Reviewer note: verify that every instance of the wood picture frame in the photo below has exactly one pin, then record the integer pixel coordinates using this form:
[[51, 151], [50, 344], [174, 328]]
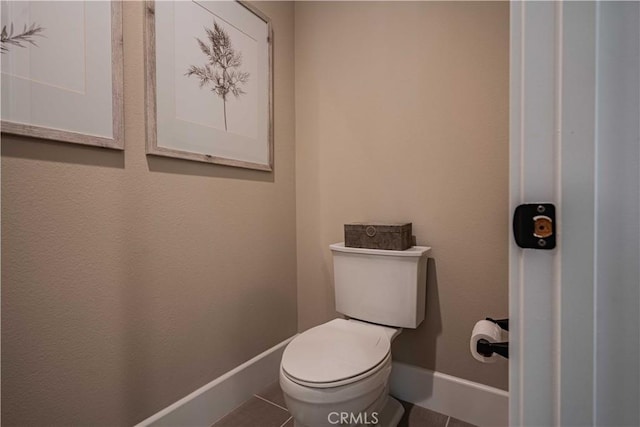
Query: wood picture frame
[[191, 138], [109, 51]]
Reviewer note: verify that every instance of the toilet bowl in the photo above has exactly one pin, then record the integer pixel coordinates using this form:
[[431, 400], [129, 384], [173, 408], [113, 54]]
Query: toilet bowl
[[338, 374]]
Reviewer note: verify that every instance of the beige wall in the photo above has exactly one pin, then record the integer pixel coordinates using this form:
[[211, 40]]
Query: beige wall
[[121, 288], [402, 115], [129, 281]]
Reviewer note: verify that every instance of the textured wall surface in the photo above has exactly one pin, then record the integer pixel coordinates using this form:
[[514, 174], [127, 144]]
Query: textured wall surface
[[129, 281], [402, 115]]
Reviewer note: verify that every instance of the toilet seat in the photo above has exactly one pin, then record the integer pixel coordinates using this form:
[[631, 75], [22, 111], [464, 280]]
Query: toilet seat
[[337, 353], [386, 361]]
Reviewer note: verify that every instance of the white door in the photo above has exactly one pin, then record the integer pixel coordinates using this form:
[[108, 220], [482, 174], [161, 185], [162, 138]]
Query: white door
[[575, 142]]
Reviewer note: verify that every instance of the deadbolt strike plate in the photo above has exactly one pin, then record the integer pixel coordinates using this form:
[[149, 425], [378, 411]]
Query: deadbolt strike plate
[[534, 226]]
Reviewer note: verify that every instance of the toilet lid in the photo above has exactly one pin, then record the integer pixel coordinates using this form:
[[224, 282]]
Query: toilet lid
[[335, 351]]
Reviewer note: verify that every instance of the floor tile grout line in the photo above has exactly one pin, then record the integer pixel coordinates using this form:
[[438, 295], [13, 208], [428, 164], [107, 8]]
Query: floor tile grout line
[[288, 419], [230, 412], [447, 423], [268, 401]]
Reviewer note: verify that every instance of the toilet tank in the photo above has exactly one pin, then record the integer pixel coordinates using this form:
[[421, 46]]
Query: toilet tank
[[380, 286]]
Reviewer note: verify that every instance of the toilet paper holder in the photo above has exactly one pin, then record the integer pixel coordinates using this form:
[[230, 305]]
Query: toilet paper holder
[[487, 348], [503, 323]]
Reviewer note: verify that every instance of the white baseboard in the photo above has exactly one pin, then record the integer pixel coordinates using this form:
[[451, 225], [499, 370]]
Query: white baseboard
[[214, 400], [465, 400]]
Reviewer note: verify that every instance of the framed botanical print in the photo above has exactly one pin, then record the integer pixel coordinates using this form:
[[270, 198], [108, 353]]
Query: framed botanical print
[[209, 82], [62, 75]]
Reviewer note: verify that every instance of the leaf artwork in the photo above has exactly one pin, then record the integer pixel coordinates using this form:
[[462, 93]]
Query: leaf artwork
[[8, 38], [222, 70]]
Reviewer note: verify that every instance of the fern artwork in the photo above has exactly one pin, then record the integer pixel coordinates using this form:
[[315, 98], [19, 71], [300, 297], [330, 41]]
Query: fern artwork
[[210, 85], [222, 71], [27, 35]]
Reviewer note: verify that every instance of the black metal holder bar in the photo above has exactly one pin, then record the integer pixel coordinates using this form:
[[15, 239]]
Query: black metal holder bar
[[487, 348], [503, 323]]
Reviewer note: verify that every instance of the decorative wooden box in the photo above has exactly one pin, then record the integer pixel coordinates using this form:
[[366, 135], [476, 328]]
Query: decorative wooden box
[[395, 237]]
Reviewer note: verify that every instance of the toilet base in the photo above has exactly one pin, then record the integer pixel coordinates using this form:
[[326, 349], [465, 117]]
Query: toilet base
[[389, 416], [391, 413]]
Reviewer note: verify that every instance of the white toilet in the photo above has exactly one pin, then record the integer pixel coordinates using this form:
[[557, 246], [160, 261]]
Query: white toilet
[[338, 373]]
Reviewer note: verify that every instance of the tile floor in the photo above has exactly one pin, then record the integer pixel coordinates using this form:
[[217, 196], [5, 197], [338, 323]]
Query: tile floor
[[267, 409]]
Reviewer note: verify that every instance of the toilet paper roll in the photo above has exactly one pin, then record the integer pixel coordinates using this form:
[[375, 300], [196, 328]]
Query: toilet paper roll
[[485, 329]]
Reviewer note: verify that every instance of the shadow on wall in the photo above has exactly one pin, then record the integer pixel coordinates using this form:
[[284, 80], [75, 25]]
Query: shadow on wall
[[418, 346], [64, 152], [60, 152], [188, 167]]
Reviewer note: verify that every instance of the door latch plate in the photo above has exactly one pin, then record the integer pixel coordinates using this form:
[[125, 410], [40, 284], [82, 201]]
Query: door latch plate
[[534, 226]]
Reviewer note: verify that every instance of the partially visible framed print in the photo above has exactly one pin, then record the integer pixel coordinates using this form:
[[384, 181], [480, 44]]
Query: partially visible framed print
[[62, 75], [209, 84]]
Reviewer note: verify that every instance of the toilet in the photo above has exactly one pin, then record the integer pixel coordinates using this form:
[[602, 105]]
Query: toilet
[[338, 373]]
